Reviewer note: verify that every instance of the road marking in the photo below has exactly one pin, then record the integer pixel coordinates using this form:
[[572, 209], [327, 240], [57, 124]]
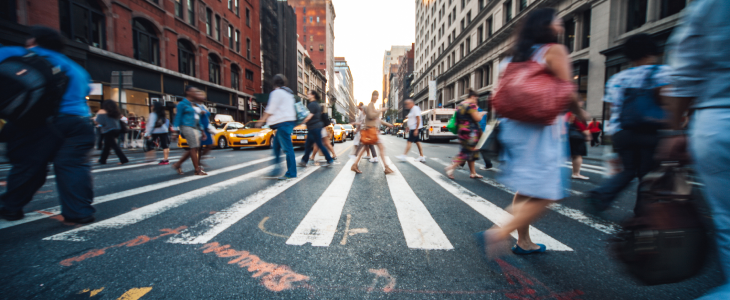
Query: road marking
[[592, 221], [320, 224], [419, 228], [120, 167], [263, 229], [594, 171], [382, 273], [56, 210], [151, 210], [91, 292], [135, 293], [494, 213], [207, 229], [350, 232]]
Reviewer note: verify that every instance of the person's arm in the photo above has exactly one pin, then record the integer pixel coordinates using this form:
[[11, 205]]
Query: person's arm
[[270, 108], [153, 120], [418, 122], [558, 62], [178, 116], [476, 115]]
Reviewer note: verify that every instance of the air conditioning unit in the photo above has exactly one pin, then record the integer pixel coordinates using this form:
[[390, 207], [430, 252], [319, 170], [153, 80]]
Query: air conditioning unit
[[153, 100]]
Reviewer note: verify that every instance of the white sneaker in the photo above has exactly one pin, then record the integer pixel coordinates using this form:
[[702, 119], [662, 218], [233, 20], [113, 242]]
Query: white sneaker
[[353, 156], [422, 159], [374, 160], [402, 157]]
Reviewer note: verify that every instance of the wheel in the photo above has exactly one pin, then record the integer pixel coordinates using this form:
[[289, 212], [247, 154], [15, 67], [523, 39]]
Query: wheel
[[222, 143]]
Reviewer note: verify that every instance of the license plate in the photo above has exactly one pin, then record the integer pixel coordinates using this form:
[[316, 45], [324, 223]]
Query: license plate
[[244, 142], [300, 137]]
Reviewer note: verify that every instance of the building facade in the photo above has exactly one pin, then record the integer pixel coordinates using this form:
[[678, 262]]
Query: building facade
[[345, 84], [166, 44], [459, 44], [404, 78], [278, 44], [316, 29], [308, 77], [390, 57]]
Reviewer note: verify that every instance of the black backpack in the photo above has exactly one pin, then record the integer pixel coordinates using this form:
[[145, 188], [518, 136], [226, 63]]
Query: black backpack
[[31, 89], [325, 120]]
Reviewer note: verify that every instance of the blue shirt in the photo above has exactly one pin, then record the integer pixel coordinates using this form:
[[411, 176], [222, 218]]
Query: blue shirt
[[73, 101], [185, 115], [700, 54], [483, 122]]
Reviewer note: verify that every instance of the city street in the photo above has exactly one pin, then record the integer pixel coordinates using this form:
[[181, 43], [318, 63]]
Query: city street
[[328, 234]]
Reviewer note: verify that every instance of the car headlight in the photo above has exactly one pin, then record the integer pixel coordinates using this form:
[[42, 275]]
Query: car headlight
[[232, 134]]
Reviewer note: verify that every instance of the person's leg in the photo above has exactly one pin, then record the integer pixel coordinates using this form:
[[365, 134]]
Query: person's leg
[[408, 148], [118, 151], [577, 162], [183, 158], [382, 154], [472, 169], [525, 211], [420, 149], [315, 149], [372, 151], [166, 154], [329, 147], [309, 146], [288, 148], [72, 168], [109, 139], [195, 158], [601, 197], [318, 140]]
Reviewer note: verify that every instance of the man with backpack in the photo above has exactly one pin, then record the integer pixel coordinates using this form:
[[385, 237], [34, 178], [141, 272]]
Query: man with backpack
[[633, 97], [64, 136], [281, 115]]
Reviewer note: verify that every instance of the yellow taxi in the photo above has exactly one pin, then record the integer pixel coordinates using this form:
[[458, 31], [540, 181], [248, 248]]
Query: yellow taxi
[[340, 133], [235, 135], [299, 135]]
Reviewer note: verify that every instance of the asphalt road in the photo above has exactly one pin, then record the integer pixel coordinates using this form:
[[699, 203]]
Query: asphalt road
[[326, 235]]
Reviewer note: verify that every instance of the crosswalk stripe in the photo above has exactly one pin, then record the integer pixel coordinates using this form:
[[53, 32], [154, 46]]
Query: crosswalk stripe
[[592, 221], [56, 210], [119, 168], [206, 230], [320, 224], [419, 228], [494, 213]]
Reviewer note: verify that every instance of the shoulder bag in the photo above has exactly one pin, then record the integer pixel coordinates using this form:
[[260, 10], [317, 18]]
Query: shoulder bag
[[369, 136]]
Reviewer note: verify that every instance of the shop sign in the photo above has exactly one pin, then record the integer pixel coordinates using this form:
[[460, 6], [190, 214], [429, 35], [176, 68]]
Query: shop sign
[[95, 89], [241, 103]]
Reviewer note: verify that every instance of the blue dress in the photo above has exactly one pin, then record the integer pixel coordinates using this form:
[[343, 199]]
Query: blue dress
[[533, 155], [204, 123]]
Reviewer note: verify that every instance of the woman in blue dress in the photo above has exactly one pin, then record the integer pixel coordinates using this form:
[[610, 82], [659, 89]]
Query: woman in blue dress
[[207, 144], [533, 154]]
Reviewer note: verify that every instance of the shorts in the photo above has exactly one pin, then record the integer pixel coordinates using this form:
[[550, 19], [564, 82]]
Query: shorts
[[325, 134], [413, 138], [192, 135], [163, 138]]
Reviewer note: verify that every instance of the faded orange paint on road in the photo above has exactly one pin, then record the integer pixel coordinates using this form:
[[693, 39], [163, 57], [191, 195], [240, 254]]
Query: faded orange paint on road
[[274, 277], [135, 293]]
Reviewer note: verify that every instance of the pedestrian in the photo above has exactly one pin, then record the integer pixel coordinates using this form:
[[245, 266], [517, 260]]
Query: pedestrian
[[109, 119], [483, 125], [188, 122], [281, 116], [206, 145], [533, 154], [359, 123], [700, 83], [415, 124], [634, 146], [122, 138], [595, 128], [97, 134], [469, 132], [327, 134], [132, 130], [314, 130], [578, 134], [158, 131], [66, 140], [372, 124]]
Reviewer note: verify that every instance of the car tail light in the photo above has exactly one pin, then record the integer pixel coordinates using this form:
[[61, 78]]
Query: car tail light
[[430, 129], [443, 128]]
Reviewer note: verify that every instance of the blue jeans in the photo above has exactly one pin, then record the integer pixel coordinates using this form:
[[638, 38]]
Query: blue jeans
[[709, 145], [67, 143], [314, 136], [283, 142]]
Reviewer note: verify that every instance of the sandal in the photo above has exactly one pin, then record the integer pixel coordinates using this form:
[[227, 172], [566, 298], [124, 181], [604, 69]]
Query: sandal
[[355, 169], [519, 251], [476, 176], [178, 169], [200, 172], [449, 172], [388, 171]]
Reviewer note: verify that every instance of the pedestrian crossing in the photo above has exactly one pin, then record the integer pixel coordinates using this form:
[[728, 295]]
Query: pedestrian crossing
[[319, 226]]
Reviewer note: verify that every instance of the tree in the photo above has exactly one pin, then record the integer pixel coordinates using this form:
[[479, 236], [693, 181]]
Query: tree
[[391, 115], [339, 118]]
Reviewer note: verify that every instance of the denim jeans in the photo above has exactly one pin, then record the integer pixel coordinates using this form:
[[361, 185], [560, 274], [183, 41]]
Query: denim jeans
[[314, 136], [709, 144], [67, 143], [636, 150], [283, 142]]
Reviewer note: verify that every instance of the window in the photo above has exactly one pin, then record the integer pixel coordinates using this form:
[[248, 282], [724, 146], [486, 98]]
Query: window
[[299, 57], [671, 7], [299, 72], [481, 4], [238, 41], [311, 19], [317, 20], [636, 15], [235, 4], [586, 29], [230, 36], [490, 28], [178, 9], [523, 5], [208, 20], [461, 50], [217, 27], [569, 34], [214, 69], [321, 47], [83, 21], [191, 12], [304, 10], [299, 88], [462, 24], [235, 77], [468, 17], [468, 45], [463, 3], [186, 58], [304, 28], [248, 48], [480, 34], [230, 4], [146, 43], [248, 17], [449, 19], [249, 75], [311, 38], [508, 11]]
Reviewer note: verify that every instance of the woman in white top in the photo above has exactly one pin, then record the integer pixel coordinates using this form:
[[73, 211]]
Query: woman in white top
[[157, 129]]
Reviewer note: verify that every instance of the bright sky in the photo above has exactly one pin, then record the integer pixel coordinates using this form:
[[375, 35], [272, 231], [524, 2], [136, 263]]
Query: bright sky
[[364, 30]]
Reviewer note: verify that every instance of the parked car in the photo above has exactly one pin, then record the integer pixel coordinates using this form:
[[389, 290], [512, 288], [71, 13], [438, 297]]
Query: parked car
[[399, 133]]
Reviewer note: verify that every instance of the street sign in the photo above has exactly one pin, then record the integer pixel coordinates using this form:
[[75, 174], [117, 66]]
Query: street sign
[[432, 90], [95, 89]]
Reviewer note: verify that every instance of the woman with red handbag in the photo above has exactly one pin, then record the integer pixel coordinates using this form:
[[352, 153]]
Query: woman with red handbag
[[533, 94]]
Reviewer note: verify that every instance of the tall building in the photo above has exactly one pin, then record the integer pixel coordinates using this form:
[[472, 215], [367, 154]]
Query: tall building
[[345, 103], [166, 44], [404, 78], [459, 44], [391, 56], [278, 43], [308, 77], [316, 29]]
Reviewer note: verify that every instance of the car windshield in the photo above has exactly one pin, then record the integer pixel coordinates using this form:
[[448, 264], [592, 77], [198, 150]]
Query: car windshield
[[219, 126], [338, 127], [347, 126], [443, 118], [250, 125]]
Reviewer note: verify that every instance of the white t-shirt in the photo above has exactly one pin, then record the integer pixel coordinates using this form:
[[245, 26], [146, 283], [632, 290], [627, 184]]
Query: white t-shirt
[[415, 112], [280, 107]]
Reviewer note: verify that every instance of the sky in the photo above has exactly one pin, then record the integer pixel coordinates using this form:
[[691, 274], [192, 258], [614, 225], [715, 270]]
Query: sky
[[363, 32]]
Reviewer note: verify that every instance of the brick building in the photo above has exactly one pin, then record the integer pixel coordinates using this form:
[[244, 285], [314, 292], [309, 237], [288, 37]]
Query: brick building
[[168, 44]]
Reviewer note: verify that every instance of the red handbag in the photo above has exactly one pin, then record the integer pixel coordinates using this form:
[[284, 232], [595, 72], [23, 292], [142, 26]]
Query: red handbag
[[369, 136], [529, 92]]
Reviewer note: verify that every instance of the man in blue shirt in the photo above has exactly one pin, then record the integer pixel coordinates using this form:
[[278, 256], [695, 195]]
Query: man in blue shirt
[[66, 140]]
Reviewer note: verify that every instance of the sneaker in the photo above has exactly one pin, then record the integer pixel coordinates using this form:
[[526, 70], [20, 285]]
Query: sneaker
[[594, 205], [302, 164], [285, 177], [326, 164], [580, 177], [11, 216], [402, 157], [374, 160], [353, 156], [164, 162], [485, 168], [422, 159], [311, 163]]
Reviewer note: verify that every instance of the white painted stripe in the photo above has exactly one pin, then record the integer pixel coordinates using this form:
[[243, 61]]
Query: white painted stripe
[[209, 228], [120, 167], [48, 212], [494, 213], [586, 170], [592, 167], [81, 234], [419, 228], [592, 221], [320, 224]]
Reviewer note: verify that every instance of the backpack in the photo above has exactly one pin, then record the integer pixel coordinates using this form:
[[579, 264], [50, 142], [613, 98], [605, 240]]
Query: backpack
[[640, 109], [31, 89], [325, 120], [159, 122]]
